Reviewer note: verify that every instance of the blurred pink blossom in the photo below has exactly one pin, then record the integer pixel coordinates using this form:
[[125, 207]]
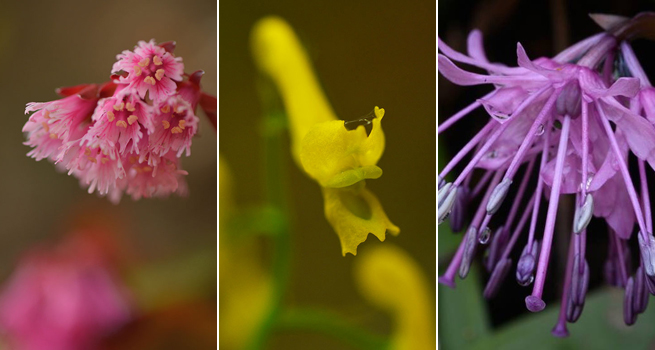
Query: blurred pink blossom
[[66, 298]]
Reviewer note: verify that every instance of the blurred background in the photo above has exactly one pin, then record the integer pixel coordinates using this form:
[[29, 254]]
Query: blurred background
[[467, 321], [365, 54], [49, 44]]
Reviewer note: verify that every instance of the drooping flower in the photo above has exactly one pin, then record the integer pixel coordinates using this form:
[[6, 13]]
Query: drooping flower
[[65, 298], [150, 68], [57, 122], [118, 121], [146, 181], [339, 155], [175, 124], [114, 139], [559, 111]]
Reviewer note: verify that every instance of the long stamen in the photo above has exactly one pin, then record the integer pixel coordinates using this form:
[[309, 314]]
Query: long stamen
[[579, 283], [464, 112], [482, 184], [516, 200], [448, 278], [560, 328], [467, 148], [519, 196], [518, 230], [532, 133], [624, 172], [471, 241], [540, 185], [645, 198], [497, 134], [585, 149], [534, 302], [619, 252]]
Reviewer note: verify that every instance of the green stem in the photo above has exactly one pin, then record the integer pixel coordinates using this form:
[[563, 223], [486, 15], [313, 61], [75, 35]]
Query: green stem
[[330, 324], [275, 196]]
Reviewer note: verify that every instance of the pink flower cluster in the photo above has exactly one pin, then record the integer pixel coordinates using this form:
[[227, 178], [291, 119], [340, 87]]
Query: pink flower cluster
[[126, 135], [65, 298]]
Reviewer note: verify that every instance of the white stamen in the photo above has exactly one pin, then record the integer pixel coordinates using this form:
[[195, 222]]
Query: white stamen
[[498, 196], [583, 214], [447, 205]]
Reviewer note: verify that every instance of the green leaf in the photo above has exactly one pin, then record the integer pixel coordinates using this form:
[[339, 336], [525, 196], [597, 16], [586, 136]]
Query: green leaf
[[600, 327], [463, 316]]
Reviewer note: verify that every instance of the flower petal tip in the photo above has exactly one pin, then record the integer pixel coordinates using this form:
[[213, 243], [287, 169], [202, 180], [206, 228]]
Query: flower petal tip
[[379, 112]]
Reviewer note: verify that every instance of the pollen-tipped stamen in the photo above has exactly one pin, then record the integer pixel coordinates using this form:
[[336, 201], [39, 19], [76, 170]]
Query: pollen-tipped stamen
[[498, 195], [629, 317], [624, 172], [527, 263], [583, 214], [560, 329], [534, 302], [447, 204]]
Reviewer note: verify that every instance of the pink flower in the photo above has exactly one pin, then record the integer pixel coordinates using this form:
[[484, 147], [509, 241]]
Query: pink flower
[[174, 126], [94, 167], [558, 110], [150, 68], [62, 299], [191, 91], [160, 180], [112, 138], [57, 122], [119, 121]]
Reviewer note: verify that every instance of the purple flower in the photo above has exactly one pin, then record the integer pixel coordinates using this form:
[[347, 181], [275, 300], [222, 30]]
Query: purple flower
[[580, 117]]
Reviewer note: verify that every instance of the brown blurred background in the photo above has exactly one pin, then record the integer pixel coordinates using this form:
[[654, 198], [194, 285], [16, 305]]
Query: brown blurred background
[[49, 44], [365, 53]]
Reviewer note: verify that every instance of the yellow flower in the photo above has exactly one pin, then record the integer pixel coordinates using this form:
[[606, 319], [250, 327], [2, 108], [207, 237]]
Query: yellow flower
[[389, 278], [338, 155], [245, 285]]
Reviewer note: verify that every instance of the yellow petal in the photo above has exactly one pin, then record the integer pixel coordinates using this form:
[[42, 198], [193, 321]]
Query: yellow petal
[[389, 278], [337, 157], [245, 283], [245, 293], [354, 212], [279, 54]]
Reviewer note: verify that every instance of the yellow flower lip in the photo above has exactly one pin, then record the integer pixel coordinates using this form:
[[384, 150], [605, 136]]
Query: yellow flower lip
[[355, 212], [337, 155]]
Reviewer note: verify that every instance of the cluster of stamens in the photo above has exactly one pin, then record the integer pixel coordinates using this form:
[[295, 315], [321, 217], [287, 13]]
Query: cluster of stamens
[[545, 114]]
